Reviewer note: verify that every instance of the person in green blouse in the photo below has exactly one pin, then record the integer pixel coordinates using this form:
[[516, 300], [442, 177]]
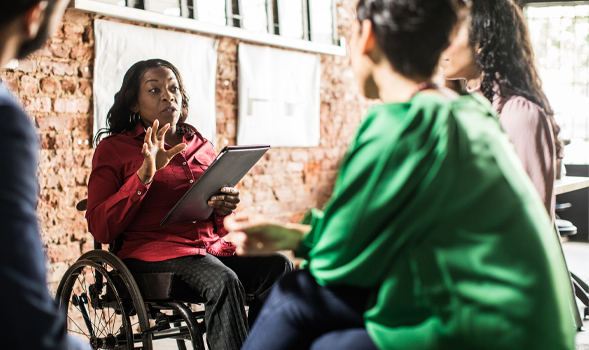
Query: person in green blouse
[[434, 237]]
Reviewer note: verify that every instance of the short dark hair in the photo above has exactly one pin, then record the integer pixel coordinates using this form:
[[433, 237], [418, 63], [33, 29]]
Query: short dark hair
[[10, 9], [117, 119], [412, 33]]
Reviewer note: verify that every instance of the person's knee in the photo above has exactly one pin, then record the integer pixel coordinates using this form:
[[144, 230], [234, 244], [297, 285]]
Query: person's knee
[[282, 264], [225, 283]]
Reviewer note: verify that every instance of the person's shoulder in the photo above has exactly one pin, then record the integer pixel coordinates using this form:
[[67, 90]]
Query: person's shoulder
[[8, 103], [519, 112], [190, 131]]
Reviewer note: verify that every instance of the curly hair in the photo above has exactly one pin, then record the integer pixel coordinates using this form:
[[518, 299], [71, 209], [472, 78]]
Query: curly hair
[[118, 117], [412, 34], [505, 56]]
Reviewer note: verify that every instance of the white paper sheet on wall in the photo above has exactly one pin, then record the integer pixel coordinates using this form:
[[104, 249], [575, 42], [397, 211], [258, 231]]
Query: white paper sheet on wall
[[278, 97], [211, 11], [290, 18], [119, 46], [254, 15]]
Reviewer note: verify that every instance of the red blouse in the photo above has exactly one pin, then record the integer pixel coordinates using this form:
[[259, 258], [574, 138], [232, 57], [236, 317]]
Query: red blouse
[[119, 203]]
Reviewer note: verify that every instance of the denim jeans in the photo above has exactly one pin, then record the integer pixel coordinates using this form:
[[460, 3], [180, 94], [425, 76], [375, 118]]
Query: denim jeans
[[301, 314]]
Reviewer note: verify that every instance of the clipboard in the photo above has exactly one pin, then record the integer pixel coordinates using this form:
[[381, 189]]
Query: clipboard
[[230, 166]]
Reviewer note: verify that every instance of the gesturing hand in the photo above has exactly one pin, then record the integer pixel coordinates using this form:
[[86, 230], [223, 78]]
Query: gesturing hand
[[156, 156], [224, 204], [259, 237]]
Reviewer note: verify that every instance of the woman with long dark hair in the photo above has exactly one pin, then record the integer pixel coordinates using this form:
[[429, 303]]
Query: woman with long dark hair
[[493, 53], [433, 237], [145, 165]]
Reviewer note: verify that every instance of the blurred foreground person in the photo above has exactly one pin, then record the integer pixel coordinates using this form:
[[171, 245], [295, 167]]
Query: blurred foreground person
[[30, 317], [434, 237]]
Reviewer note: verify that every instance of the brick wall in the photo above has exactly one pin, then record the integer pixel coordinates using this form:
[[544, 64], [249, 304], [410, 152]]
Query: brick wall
[[55, 87]]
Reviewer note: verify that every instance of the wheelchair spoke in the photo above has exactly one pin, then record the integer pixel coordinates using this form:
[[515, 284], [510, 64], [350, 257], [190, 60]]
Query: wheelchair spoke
[[81, 330]]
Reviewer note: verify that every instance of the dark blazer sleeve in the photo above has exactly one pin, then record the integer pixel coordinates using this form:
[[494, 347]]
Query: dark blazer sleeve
[[30, 318]]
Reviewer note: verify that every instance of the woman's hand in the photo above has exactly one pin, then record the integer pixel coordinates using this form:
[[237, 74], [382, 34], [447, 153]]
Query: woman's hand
[[225, 204], [258, 237], [156, 156]]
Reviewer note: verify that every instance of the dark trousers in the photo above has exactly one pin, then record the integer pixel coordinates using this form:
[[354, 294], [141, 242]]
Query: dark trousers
[[223, 282], [300, 314]]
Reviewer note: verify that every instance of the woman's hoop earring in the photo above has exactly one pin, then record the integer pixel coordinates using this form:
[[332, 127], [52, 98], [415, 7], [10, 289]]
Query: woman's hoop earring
[[134, 118]]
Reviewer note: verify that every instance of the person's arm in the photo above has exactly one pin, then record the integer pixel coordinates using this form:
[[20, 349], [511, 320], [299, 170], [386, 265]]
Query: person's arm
[[530, 132], [112, 200], [31, 319]]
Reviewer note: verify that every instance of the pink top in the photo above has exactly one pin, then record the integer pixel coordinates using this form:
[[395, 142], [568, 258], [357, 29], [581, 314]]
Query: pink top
[[530, 131]]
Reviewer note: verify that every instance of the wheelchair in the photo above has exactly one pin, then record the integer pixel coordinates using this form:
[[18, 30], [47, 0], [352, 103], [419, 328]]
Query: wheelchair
[[112, 308]]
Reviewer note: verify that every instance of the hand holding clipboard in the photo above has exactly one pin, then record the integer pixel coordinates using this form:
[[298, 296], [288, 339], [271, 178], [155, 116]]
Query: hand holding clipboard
[[231, 165]]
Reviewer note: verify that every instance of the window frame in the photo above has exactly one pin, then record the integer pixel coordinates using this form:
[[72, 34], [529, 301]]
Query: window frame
[[183, 22]]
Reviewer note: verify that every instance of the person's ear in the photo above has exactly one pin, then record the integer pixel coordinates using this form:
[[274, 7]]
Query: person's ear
[[367, 40], [135, 108], [33, 18]]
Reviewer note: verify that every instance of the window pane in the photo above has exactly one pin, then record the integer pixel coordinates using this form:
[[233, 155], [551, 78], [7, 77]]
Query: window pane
[[114, 2], [290, 18], [321, 21], [560, 38], [211, 11], [167, 7], [254, 16]]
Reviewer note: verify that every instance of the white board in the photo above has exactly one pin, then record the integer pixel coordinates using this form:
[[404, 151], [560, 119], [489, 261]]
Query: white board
[[119, 46], [278, 97]]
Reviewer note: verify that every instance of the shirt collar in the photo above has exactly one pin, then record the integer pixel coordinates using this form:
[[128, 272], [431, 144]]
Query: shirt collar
[[181, 128]]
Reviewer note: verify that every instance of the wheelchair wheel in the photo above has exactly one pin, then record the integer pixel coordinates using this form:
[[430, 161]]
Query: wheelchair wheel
[[103, 303]]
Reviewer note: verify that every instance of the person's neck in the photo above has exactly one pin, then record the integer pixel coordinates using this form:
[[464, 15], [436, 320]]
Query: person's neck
[[473, 83], [392, 86], [9, 45]]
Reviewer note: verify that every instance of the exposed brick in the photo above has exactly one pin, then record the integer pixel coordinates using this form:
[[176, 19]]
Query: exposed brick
[[37, 104], [27, 65], [73, 32], [58, 68], [29, 84], [295, 167], [77, 17], [64, 252], [68, 86], [65, 105], [85, 71], [60, 50], [49, 86], [81, 53], [11, 82], [85, 88]]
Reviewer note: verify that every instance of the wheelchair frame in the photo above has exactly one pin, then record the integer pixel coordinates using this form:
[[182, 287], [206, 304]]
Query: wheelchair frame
[[101, 290]]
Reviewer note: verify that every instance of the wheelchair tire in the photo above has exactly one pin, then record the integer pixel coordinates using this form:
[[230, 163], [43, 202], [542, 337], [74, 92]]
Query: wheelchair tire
[[100, 296]]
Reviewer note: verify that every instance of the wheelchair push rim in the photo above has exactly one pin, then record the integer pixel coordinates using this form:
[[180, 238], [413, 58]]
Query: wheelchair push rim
[[101, 304]]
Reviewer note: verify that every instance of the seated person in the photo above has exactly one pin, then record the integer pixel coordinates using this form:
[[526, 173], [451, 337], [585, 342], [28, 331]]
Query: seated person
[[146, 164], [434, 237], [498, 29]]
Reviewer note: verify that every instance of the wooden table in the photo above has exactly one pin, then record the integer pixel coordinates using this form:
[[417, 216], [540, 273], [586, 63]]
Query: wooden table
[[570, 183]]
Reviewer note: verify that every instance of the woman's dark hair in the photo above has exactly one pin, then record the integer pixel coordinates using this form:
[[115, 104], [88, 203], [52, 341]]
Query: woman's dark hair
[[119, 118], [411, 33], [505, 56], [11, 9]]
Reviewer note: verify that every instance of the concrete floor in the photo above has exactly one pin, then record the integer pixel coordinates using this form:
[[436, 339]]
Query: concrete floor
[[577, 256]]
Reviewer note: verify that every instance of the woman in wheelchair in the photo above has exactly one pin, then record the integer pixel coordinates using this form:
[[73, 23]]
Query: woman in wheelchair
[[147, 161]]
